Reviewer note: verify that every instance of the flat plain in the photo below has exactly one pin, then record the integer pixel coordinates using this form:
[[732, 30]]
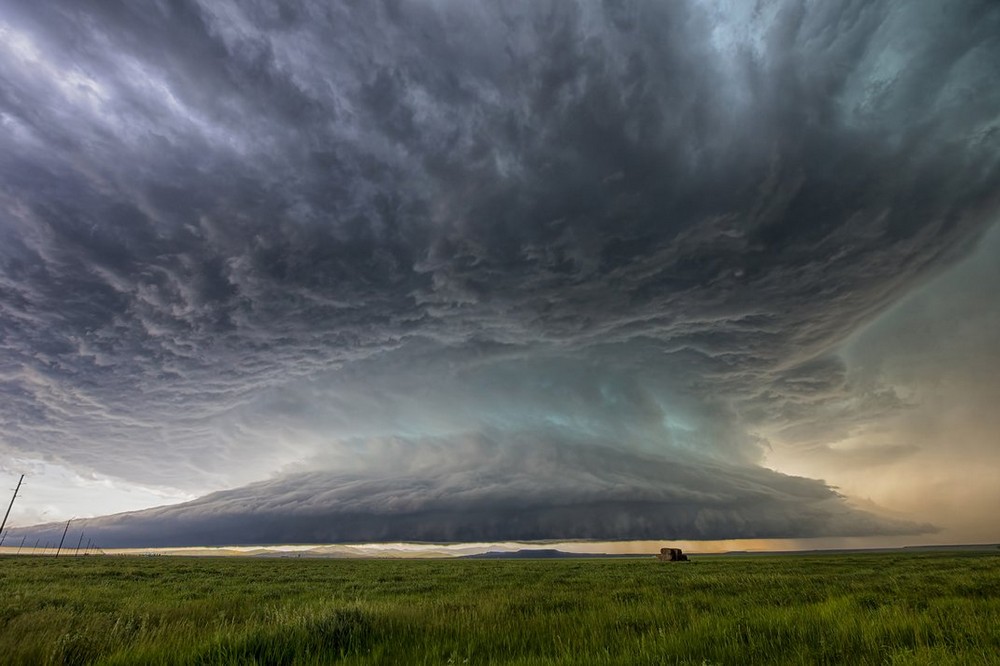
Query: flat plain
[[791, 609]]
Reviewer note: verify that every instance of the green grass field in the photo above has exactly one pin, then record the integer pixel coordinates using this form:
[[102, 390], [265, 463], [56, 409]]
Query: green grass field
[[833, 609]]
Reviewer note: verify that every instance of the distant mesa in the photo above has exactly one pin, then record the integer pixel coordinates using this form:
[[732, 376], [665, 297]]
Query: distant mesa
[[530, 554]]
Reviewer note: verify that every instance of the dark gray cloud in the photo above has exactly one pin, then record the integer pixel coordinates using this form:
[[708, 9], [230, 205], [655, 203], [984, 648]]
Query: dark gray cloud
[[477, 487], [238, 236]]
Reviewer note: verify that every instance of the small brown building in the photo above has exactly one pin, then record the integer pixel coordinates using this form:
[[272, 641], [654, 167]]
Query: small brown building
[[672, 555]]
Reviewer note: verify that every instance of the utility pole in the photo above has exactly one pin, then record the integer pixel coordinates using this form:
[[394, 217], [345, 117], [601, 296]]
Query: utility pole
[[4, 523], [78, 544], [89, 541], [63, 537], [22, 544], [35, 547]]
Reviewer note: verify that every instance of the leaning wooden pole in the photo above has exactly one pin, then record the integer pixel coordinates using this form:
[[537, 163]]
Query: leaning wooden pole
[[78, 544], [63, 537], [9, 506]]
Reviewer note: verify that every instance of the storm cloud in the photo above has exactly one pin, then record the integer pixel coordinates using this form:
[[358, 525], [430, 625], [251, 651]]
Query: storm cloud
[[251, 243], [469, 489]]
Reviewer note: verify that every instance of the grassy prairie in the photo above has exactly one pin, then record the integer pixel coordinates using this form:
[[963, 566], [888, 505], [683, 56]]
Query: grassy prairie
[[833, 609]]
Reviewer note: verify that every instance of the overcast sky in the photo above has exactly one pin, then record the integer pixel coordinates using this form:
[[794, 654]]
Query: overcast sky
[[473, 271]]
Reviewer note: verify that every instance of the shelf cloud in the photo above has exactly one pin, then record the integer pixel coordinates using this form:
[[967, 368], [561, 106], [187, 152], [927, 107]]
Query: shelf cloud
[[478, 488], [448, 270]]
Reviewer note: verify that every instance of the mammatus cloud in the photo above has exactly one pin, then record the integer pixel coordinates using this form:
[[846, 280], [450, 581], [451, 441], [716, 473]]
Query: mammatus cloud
[[238, 239]]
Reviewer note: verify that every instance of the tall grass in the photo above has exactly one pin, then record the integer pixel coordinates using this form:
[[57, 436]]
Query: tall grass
[[834, 609]]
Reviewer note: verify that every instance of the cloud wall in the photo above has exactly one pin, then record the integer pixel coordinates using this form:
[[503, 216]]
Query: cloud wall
[[243, 240]]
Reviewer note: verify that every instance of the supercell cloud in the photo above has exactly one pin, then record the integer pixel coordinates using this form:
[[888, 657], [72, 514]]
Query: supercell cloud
[[447, 270]]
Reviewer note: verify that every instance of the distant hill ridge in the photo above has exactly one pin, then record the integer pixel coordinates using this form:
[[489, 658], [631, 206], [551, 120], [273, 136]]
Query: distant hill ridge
[[537, 554]]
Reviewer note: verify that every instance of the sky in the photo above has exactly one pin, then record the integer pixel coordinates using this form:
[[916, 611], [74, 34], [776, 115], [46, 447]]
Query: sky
[[466, 271]]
